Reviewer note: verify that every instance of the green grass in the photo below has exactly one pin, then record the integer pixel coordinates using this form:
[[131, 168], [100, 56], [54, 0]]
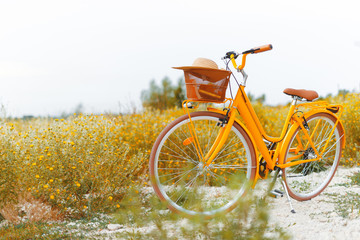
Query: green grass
[[76, 229], [348, 204], [250, 220], [143, 217], [355, 179]]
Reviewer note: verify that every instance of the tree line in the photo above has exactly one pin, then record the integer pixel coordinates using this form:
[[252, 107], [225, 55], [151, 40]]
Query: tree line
[[164, 96], [168, 95]]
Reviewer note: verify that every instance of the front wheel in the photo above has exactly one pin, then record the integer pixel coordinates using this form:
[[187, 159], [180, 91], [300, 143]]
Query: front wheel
[[307, 180], [181, 179]]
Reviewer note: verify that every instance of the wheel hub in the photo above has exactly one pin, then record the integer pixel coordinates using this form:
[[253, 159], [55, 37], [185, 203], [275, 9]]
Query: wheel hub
[[201, 167], [308, 154]]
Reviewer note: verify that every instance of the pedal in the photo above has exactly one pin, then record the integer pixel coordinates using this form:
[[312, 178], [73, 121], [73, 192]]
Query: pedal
[[279, 192], [276, 193]]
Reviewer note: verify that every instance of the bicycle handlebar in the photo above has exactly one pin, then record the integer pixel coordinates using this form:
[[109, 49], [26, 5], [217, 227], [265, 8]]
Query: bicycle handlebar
[[233, 55], [259, 49]]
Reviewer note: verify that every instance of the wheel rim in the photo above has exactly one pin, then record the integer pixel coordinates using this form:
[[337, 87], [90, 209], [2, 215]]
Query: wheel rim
[[307, 180], [186, 183]]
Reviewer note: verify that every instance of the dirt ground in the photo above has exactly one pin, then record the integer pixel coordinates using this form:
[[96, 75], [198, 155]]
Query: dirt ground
[[321, 217]]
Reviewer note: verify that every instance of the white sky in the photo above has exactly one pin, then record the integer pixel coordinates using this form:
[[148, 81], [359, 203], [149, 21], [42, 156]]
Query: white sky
[[57, 54]]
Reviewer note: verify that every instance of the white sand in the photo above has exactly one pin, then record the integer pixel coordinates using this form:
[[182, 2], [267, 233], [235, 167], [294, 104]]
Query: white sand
[[317, 218], [314, 219]]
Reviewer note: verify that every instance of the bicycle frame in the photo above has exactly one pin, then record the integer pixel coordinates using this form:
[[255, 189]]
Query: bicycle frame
[[273, 157]]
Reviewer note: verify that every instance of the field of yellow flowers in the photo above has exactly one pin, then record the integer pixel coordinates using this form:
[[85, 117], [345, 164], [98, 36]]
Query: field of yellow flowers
[[82, 165]]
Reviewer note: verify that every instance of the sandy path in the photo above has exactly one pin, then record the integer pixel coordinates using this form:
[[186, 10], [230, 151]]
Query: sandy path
[[317, 218], [314, 219]]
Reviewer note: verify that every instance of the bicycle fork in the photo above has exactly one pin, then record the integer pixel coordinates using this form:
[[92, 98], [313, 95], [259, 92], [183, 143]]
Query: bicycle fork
[[221, 138], [225, 128]]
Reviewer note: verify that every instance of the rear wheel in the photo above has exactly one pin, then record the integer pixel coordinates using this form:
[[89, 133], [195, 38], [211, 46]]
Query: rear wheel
[[180, 178], [307, 180]]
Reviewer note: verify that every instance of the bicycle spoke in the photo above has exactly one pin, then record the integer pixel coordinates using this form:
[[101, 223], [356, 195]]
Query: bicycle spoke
[[229, 166], [213, 175], [187, 187], [181, 150], [181, 176], [171, 161], [185, 182], [192, 144], [236, 158], [324, 139], [333, 145], [322, 129], [191, 160], [227, 145], [169, 174], [210, 137], [314, 175], [219, 154], [176, 156], [170, 168]]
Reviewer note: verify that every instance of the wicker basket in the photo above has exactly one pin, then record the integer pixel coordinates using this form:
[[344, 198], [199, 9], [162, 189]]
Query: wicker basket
[[206, 84]]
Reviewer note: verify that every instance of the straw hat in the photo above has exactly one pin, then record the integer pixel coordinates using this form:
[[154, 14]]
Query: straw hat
[[202, 63], [206, 63]]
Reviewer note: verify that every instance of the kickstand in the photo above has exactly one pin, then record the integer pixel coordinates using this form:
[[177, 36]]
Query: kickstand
[[287, 193], [276, 193]]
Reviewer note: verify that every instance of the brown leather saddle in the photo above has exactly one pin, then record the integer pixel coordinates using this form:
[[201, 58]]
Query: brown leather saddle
[[302, 93]]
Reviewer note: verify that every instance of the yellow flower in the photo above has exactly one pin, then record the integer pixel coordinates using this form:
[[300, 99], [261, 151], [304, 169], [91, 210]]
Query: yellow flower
[[110, 198], [34, 164], [51, 169], [73, 167], [37, 176], [117, 205], [97, 163], [52, 197], [78, 184], [85, 207], [46, 186], [51, 180]]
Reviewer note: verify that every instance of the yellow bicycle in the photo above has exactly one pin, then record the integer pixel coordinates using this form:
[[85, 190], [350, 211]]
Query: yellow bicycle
[[204, 162]]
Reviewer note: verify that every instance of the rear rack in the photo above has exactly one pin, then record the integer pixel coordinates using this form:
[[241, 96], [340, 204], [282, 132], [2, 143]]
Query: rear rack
[[333, 108]]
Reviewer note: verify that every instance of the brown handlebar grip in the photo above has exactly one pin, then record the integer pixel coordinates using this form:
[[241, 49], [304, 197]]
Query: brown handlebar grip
[[262, 48]]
